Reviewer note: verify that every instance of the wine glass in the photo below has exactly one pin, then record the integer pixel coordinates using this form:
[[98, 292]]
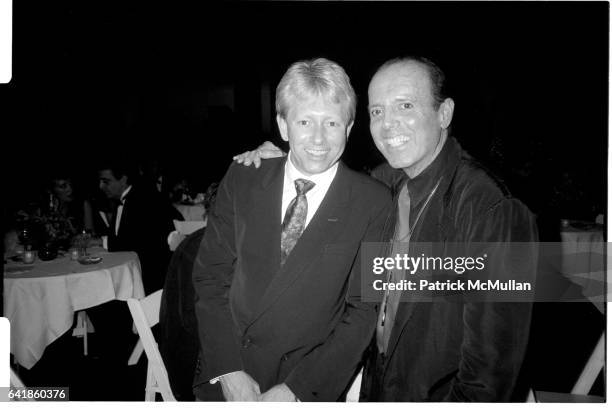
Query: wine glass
[[25, 238]]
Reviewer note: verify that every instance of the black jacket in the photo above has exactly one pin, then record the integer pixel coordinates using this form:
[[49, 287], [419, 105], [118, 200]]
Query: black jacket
[[178, 343], [301, 323], [144, 228], [459, 350]]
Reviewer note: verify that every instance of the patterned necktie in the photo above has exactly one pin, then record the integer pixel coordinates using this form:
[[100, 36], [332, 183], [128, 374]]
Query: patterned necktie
[[391, 300], [295, 218]]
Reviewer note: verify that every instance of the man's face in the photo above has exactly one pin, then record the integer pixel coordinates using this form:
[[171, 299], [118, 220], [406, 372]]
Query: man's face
[[404, 124], [112, 187], [316, 130]]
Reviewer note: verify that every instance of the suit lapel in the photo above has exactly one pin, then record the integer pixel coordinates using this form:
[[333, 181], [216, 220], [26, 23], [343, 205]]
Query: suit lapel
[[264, 218], [403, 315], [125, 210], [327, 223]]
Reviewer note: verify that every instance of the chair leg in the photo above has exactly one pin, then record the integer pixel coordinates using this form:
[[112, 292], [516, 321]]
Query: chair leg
[[136, 353], [83, 326], [85, 330], [592, 368], [150, 386]]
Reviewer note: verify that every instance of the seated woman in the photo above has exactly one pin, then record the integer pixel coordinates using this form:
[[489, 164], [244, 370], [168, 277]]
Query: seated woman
[[64, 200], [61, 213]]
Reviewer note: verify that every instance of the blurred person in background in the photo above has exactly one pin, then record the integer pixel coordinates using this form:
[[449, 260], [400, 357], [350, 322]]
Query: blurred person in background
[[140, 222], [178, 342]]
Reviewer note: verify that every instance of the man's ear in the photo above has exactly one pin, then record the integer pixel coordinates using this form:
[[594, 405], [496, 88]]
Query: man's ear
[[348, 129], [445, 113], [124, 180], [282, 127]]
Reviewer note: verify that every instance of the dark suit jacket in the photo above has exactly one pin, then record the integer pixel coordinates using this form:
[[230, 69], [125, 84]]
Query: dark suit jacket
[[144, 228], [456, 350], [178, 342], [302, 324]]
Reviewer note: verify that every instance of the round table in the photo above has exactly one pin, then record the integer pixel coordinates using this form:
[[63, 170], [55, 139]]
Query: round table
[[40, 299], [583, 259]]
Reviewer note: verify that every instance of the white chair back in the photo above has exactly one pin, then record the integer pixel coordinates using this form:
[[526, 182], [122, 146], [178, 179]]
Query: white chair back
[[145, 313], [187, 227], [182, 229]]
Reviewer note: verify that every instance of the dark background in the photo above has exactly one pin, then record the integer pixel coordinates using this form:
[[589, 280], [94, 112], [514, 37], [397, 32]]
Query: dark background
[[184, 85]]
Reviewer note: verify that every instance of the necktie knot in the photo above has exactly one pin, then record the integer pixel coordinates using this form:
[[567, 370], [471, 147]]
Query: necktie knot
[[303, 186]]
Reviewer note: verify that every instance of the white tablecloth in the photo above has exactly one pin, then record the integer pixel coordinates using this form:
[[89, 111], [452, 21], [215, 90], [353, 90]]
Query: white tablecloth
[[40, 299], [583, 261], [191, 212]]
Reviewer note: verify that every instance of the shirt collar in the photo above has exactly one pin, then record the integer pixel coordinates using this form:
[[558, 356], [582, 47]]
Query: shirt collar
[[444, 163], [319, 179], [125, 192]]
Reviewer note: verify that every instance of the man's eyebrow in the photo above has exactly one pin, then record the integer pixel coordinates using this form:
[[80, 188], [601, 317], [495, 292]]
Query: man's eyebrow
[[403, 97]]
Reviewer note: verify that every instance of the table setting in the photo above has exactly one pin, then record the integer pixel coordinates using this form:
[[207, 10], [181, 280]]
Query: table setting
[[41, 297]]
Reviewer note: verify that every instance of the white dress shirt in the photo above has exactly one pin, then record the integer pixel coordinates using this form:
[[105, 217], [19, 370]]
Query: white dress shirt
[[316, 194], [120, 209]]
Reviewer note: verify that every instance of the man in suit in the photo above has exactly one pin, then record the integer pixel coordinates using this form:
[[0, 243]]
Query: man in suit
[[277, 278], [453, 350], [141, 222]]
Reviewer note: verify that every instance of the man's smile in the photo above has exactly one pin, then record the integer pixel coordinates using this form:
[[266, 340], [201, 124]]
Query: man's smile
[[317, 152], [396, 141]]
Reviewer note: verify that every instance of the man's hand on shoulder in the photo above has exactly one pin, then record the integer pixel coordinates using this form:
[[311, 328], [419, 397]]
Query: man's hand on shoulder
[[278, 393], [267, 150], [239, 386]]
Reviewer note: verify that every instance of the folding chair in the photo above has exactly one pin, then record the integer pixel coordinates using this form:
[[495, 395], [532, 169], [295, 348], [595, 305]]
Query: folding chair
[[353, 393], [17, 383], [584, 384], [182, 229], [145, 313], [592, 368]]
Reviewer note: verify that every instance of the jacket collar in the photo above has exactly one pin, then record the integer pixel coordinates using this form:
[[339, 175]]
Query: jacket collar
[[420, 186]]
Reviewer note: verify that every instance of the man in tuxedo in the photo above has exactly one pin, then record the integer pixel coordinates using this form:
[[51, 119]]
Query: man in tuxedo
[[277, 278], [141, 222], [138, 223]]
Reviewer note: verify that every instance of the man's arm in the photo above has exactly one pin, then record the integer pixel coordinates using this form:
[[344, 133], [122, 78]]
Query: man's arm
[[324, 373], [213, 272], [495, 333]]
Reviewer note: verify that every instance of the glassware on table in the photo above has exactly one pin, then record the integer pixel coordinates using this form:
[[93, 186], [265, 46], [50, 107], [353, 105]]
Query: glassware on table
[[83, 242], [25, 238], [47, 251], [28, 257], [74, 254]]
